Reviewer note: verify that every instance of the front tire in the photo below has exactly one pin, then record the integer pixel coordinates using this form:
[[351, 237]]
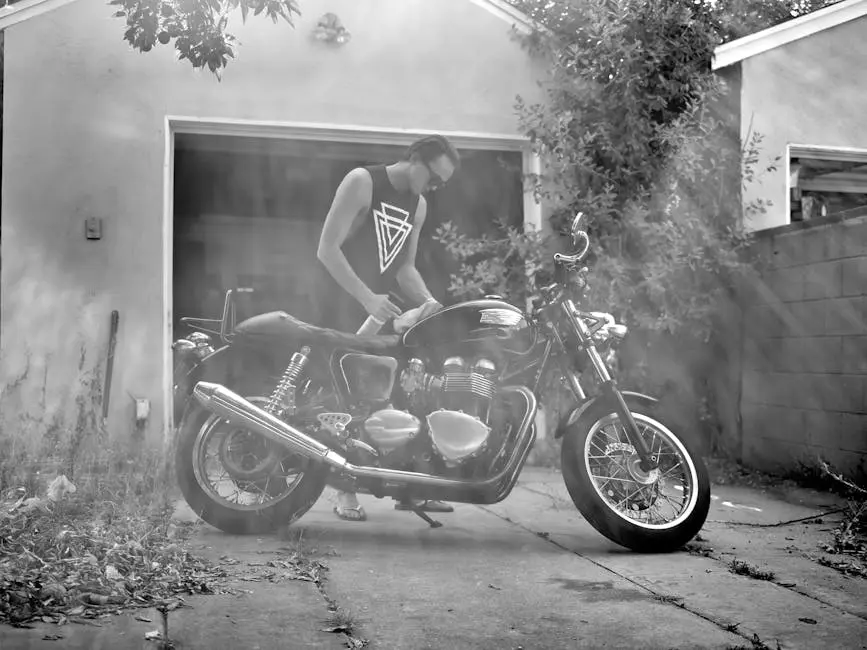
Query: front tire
[[286, 502], [600, 469]]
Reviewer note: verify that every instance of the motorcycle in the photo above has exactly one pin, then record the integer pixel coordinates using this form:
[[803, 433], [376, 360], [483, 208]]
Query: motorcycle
[[444, 410]]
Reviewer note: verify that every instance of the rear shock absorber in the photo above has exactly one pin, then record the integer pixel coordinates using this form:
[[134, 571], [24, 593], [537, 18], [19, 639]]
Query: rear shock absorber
[[282, 401]]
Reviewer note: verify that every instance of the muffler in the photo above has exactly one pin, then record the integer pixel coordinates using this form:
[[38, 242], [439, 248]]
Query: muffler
[[237, 410], [220, 400]]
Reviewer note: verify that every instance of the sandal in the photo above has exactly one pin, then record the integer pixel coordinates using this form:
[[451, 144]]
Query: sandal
[[350, 513]]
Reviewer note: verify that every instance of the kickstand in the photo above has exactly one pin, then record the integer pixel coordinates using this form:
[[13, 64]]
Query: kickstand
[[433, 522]]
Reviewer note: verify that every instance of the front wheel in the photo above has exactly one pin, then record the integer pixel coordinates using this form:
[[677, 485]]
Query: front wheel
[[648, 512]]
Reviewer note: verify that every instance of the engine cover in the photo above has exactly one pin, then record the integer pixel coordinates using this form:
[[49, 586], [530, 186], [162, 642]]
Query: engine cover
[[457, 436], [390, 429]]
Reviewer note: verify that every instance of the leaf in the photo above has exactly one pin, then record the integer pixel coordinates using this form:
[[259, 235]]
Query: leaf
[[810, 621], [337, 629]]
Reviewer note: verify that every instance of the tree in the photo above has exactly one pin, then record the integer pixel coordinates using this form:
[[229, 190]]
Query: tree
[[638, 133], [197, 27]]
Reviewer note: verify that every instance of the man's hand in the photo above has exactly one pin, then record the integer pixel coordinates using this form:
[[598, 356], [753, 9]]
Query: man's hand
[[413, 316], [381, 308], [430, 307]]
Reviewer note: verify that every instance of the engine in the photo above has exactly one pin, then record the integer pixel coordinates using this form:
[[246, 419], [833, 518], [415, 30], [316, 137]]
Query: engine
[[455, 405]]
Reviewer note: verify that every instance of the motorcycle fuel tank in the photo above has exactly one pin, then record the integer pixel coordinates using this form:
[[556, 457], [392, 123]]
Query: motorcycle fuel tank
[[475, 320]]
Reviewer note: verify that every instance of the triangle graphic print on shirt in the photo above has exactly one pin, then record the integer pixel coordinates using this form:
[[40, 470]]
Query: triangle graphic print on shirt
[[392, 230]]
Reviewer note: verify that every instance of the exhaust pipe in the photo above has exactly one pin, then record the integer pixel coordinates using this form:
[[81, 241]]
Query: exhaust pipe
[[236, 409]]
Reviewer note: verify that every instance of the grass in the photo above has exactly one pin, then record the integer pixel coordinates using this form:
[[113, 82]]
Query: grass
[[86, 524]]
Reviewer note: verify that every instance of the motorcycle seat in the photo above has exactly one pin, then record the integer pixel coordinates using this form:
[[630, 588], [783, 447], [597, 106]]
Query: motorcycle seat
[[282, 326]]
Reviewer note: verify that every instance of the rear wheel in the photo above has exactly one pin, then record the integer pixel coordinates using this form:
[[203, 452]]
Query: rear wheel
[[239, 481], [652, 512]]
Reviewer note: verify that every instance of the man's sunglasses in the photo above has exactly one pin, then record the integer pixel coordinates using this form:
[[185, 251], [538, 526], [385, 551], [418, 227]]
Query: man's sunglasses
[[436, 181]]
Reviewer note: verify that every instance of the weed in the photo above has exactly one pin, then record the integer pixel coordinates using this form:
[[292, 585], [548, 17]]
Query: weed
[[850, 537], [108, 541], [697, 549], [747, 569], [342, 620], [755, 644]]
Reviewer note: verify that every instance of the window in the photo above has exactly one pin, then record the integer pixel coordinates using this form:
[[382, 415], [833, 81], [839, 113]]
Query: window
[[826, 182]]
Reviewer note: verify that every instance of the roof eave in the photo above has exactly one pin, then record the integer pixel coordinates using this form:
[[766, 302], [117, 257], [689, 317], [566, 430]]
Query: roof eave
[[792, 30], [505, 11], [26, 9]]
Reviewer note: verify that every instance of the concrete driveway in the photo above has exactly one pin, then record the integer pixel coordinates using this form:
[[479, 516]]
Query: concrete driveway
[[527, 573]]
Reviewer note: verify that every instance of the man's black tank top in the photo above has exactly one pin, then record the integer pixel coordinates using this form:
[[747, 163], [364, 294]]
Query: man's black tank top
[[375, 248]]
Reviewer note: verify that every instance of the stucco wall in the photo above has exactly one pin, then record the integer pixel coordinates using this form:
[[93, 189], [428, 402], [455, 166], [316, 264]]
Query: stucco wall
[[804, 391], [807, 92], [84, 136]]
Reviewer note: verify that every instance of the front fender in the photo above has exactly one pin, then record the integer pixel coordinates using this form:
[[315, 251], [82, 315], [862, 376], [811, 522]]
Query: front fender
[[575, 414]]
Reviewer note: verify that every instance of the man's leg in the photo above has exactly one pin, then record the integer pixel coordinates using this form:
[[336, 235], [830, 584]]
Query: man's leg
[[348, 508]]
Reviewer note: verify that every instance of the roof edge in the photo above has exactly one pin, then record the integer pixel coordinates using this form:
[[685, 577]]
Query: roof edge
[[508, 13], [25, 9], [792, 30]]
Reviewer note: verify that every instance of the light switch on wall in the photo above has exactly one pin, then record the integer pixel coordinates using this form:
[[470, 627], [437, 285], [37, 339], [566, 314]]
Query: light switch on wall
[[93, 228], [142, 410]]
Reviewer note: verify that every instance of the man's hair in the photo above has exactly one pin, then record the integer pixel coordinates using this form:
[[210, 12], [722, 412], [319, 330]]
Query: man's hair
[[431, 147]]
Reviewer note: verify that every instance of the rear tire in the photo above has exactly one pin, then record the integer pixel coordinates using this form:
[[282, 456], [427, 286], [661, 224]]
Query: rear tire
[[221, 514], [603, 516]]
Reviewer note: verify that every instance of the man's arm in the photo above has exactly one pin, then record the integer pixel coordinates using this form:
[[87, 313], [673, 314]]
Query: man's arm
[[408, 277], [353, 195]]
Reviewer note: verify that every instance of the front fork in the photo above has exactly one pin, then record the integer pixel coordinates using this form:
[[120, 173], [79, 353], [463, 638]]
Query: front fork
[[609, 389]]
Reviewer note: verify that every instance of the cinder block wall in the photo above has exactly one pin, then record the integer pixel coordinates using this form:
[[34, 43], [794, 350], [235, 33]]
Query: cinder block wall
[[804, 371]]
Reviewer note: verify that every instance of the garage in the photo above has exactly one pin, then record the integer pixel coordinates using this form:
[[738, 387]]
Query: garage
[[248, 211]]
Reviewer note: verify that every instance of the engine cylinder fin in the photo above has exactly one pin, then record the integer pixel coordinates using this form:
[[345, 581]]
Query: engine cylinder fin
[[468, 382]]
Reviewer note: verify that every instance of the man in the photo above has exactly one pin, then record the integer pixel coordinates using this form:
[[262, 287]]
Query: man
[[369, 242]]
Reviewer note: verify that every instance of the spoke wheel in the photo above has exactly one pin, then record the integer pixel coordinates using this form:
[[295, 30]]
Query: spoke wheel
[[657, 499], [239, 481], [654, 511], [242, 469]]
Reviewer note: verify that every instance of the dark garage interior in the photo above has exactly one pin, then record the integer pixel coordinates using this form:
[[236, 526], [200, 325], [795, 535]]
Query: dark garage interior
[[248, 213]]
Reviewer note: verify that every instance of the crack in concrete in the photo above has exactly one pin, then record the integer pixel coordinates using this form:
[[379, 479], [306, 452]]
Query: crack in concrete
[[712, 556], [783, 585], [665, 598], [778, 524], [352, 641]]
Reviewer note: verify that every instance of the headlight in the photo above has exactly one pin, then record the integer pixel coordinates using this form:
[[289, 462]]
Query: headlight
[[618, 332]]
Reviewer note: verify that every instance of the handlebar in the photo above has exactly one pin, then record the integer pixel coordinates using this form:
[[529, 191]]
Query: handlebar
[[583, 247]]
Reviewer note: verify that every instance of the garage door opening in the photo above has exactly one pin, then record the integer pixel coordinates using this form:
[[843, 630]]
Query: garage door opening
[[248, 213]]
